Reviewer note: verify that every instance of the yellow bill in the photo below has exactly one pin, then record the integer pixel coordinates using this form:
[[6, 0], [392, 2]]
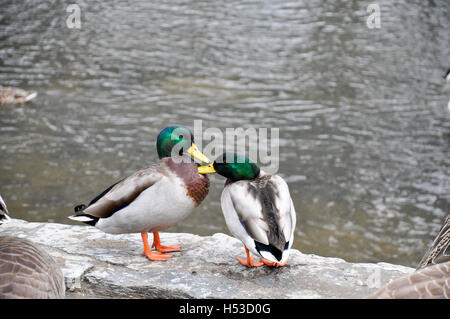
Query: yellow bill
[[207, 169], [195, 153]]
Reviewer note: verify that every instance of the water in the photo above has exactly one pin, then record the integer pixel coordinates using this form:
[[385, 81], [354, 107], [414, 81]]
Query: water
[[364, 125]]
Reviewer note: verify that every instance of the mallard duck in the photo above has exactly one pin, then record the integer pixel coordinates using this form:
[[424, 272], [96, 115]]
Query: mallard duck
[[155, 198], [10, 95], [432, 276], [26, 271], [258, 209]]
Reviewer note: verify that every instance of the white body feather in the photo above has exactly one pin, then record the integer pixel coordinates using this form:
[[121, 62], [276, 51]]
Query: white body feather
[[159, 207], [237, 194]]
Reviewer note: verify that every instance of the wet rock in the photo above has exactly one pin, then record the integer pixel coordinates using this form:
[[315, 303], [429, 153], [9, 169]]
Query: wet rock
[[99, 265]]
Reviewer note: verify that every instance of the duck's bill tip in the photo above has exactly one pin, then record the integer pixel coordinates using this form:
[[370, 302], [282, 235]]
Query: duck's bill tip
[[195, 153], [207, 169]]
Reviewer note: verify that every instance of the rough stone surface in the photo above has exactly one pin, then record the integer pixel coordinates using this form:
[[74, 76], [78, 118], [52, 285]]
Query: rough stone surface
[[99, 265]]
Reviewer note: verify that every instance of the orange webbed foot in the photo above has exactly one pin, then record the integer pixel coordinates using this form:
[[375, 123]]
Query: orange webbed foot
[[156, 256], [250, 262], [167, 249], [163, 248], [152, 255], [273, 264]]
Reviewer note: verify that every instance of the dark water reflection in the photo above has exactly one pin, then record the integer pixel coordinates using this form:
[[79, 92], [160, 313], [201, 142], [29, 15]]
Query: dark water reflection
[[364, 128]]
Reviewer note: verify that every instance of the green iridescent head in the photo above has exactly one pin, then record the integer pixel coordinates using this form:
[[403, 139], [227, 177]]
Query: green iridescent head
[[233, 167], [178, 140]]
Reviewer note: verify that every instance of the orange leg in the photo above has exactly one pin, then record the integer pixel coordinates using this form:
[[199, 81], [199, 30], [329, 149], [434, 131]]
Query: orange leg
[[273, 264], [250, 262], [152, 255], [162, 248]]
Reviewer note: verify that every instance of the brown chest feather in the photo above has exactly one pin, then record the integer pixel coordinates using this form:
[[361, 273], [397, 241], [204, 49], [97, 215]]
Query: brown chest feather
[[197, 185]]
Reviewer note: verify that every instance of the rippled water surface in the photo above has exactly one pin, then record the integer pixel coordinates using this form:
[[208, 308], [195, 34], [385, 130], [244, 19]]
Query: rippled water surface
[[362, 113]]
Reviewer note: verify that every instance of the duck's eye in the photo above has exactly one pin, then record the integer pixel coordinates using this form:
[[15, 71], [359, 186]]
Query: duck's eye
[[180, 136]]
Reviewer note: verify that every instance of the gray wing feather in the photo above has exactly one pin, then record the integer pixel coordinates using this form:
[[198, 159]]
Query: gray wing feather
[[124, 192]]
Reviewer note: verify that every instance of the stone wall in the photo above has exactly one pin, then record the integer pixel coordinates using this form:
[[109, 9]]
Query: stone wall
[[99, 265]]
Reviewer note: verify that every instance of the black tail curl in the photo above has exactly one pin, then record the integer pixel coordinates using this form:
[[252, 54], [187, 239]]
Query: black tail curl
[[79, 208]]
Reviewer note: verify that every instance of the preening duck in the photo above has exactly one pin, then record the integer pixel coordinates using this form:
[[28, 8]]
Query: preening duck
[[26, 271], [258, 209], [155, 198]]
